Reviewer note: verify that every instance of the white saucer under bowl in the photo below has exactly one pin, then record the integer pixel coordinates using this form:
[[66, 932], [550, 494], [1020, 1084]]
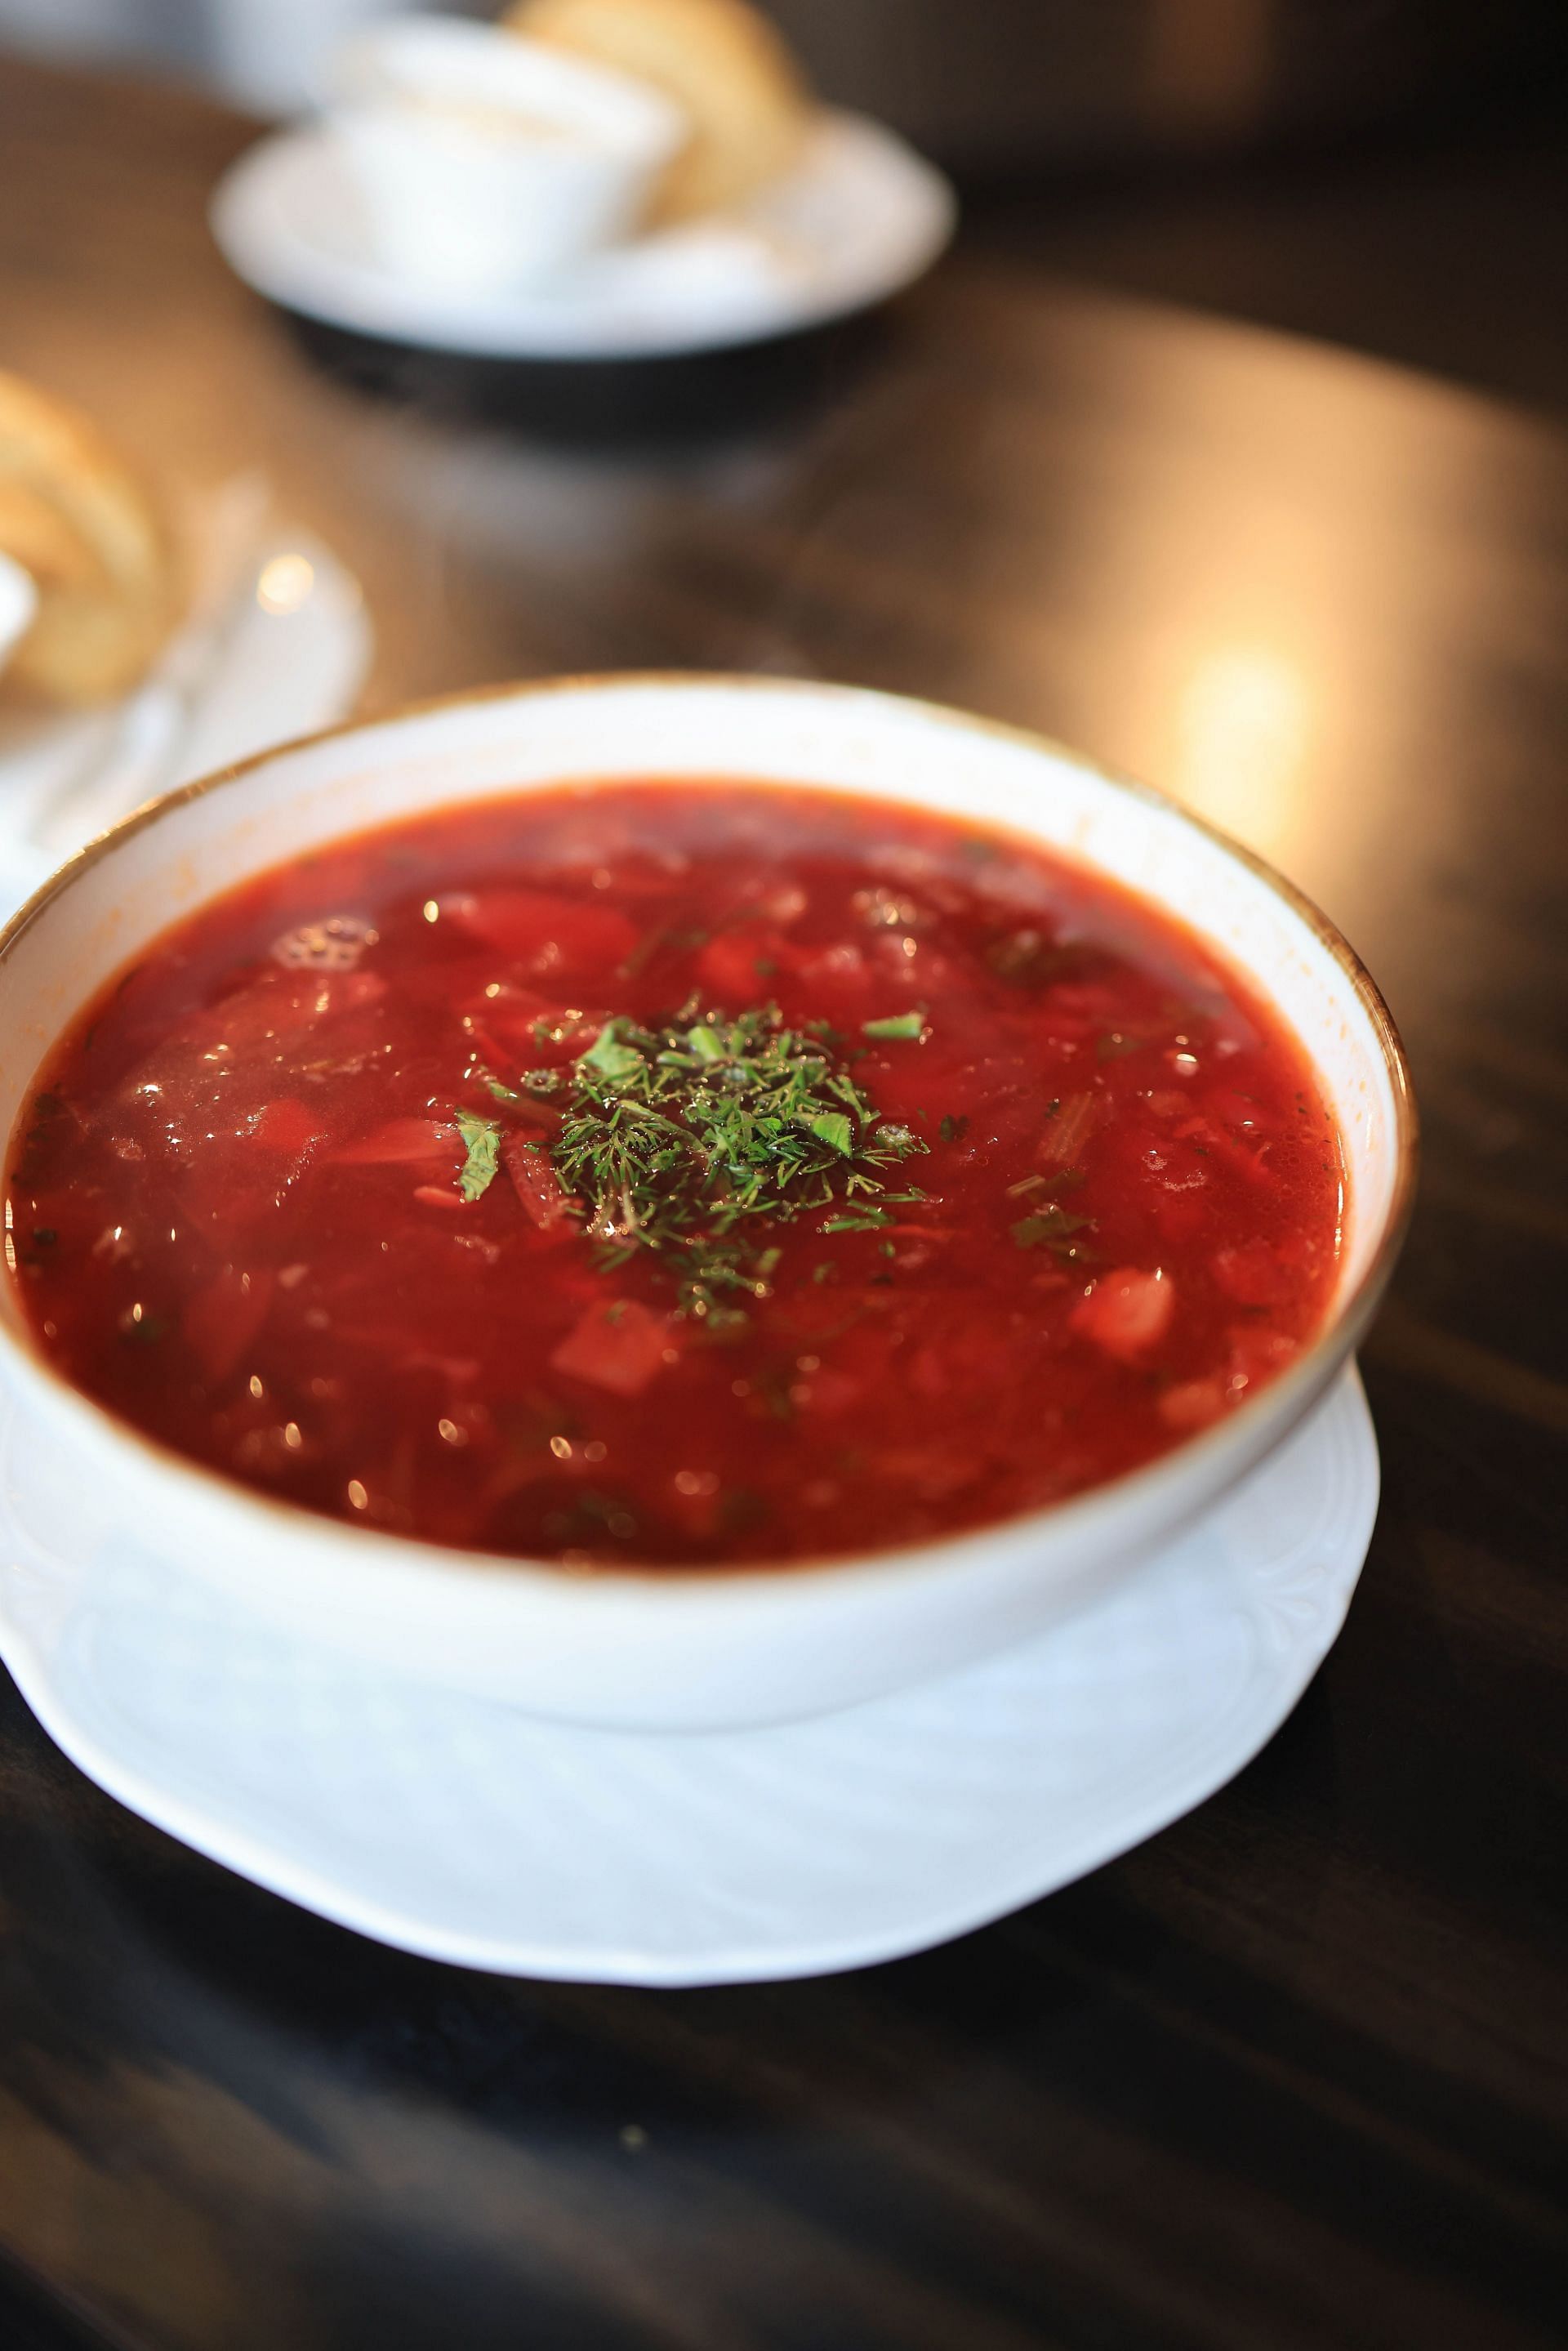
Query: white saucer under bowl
[[859, 217], [468, 1831]]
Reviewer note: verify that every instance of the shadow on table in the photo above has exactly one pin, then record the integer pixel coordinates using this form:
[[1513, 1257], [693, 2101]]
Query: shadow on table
[[696, 397]]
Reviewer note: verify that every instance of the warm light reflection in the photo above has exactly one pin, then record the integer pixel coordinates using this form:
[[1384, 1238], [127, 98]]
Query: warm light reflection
[[285, 583], [1241, 730]]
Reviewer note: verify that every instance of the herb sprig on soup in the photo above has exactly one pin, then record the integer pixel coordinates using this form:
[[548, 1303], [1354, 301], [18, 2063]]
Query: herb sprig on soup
[[655, 1174]]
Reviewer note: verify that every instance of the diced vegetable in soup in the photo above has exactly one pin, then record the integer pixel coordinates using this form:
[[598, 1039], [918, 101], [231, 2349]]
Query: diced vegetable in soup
[[653, 1173]]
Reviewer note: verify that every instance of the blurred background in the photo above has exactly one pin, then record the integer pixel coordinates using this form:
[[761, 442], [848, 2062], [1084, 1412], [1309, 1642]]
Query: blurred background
[[1388, 173]]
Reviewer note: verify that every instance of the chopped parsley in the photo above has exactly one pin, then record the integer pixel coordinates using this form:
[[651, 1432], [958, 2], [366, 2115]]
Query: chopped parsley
[[482, 1140], [832, 1127]]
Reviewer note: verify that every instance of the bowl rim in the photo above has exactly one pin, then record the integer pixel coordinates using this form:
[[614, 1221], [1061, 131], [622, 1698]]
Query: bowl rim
[[1286, 1397]]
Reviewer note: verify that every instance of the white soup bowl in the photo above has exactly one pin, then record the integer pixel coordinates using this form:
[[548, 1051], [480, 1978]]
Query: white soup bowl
[[677, 1648]]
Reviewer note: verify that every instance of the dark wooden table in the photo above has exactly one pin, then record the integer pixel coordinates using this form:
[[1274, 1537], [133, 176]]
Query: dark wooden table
[[1288, 2078]]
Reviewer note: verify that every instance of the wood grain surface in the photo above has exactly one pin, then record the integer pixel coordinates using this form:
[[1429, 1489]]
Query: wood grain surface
[[1291, 2076]]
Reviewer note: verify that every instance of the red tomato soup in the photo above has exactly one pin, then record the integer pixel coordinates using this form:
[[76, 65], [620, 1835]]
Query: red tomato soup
[[675, 1173]]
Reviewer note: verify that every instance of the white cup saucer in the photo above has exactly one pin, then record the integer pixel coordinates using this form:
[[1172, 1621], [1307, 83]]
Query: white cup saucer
[[859, 217], [469, 1832]]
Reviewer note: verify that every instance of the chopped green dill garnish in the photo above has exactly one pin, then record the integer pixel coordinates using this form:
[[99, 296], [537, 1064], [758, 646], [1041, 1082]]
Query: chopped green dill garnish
[[1022, 956], [646, 948], [826, 1271], [953, 1130], [1066, 1179], [146, 1332], [674, 1136], [771, 1387], [1048, 1225], [533, 1082], [482, 1140], [897, 1024], [741, 1506], [865, 1222], [550, 1032], [591, 1518]]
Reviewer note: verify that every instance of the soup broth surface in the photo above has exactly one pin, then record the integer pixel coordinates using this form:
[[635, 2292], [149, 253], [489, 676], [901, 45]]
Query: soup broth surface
[[653, 1172]]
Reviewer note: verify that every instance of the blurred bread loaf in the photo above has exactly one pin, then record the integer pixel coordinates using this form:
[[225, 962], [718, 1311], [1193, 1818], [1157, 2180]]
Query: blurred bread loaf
[[75, 517], [721, 62]]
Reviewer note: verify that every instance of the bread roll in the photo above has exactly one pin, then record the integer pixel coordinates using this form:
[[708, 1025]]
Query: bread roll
[[721, 62], [73, 514]]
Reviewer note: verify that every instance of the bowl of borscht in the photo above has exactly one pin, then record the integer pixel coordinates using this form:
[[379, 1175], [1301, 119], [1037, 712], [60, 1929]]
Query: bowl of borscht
[[678, 1201]]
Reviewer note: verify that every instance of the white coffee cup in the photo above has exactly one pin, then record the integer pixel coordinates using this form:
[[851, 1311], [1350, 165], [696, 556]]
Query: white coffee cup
[[484, 160]]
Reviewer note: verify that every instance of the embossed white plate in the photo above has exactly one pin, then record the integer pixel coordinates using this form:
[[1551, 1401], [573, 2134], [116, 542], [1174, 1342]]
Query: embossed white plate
[[467, 1832]]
